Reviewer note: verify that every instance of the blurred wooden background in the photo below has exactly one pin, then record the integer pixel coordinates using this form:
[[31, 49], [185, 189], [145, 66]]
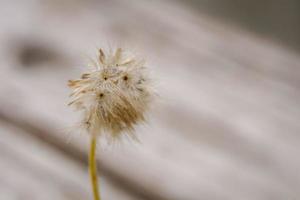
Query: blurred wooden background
[[226, 125]]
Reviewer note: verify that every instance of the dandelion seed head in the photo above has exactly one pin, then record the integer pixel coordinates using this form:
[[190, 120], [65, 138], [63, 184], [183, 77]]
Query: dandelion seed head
[[114, 97]]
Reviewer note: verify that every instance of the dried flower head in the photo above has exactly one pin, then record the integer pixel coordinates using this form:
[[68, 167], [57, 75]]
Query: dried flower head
[[114, 96]]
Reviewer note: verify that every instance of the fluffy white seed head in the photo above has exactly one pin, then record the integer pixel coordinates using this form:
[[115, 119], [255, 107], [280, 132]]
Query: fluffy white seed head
[[114, 96]]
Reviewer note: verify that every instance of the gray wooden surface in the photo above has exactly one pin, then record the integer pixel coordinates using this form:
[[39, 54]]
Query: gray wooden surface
[[226, 125]]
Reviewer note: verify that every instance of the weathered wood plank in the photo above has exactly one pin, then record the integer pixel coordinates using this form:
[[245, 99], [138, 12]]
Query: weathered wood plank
[[31, 169], [229, 127]]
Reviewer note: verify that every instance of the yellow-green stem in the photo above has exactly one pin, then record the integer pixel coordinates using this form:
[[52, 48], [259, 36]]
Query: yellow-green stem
[[93, 168]]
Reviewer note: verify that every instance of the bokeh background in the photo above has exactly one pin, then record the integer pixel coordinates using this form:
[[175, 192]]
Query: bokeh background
[[226, 124]]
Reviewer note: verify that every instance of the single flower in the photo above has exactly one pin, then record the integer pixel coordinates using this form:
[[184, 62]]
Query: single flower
[[114, 96]]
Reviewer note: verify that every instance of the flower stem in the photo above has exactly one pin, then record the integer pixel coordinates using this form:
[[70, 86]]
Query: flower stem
[[93, 168]]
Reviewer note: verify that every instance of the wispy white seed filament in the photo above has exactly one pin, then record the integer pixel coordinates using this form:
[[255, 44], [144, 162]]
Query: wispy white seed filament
[[113, 97]]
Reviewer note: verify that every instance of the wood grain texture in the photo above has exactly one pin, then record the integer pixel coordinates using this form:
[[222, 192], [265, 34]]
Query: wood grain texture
[[31, 169], [227, 123]]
